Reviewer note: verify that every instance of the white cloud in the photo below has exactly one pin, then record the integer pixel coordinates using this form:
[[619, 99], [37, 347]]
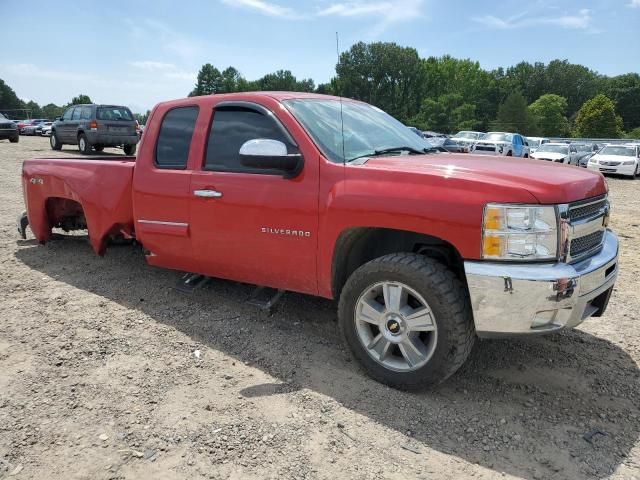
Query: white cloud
[[266, 8], [580, 20], [152, 66], [634, 4], [388, 12]]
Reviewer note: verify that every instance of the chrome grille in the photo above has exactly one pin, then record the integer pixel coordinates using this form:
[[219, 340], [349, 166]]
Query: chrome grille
[[587, 243], [586, 221], [588, 210], [486, 148]]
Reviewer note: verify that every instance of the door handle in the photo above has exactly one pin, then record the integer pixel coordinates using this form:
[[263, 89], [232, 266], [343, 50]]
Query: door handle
[[207, 193]]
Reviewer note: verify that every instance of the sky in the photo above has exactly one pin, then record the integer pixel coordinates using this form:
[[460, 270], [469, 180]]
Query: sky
[[138, 53]]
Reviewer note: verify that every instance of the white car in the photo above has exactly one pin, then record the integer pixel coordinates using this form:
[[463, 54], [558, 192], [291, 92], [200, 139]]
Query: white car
[[536, 142], [557, 152], [467, 139], [46, 129], [620, 159], [501, 143]]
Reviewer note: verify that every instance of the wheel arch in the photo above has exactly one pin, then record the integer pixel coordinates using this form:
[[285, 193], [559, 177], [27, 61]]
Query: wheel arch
[[357, 246]]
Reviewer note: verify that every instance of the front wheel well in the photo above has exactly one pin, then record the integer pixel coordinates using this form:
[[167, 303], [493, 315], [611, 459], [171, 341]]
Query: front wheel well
[[357, 246]]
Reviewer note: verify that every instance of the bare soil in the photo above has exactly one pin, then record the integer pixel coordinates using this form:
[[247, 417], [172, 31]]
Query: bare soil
[[108, 372]]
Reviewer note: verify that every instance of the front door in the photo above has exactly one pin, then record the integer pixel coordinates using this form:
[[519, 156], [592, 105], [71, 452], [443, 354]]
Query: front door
[[62, 128], [247, 224]]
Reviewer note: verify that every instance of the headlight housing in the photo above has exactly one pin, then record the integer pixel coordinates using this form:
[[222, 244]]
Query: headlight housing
[[519, 232], [593, 160], [632, 162]]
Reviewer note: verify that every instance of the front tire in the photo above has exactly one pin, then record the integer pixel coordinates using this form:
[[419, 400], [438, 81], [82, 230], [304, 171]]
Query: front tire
[[83, 144], [129, 149], [98, 148], [54, 141], [15, 139], [407, 319]]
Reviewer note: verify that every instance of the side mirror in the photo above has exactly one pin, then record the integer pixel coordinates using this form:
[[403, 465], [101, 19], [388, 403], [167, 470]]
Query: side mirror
[[266, 154]]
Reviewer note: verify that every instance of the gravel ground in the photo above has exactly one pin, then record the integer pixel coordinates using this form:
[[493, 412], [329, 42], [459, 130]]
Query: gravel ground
[[107, 372]]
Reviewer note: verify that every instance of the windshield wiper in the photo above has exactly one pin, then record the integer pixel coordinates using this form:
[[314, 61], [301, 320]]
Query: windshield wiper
[[400, 149], [384, 151]]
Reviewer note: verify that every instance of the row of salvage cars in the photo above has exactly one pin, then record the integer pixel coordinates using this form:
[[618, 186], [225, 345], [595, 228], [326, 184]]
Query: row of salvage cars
[[621, 159]]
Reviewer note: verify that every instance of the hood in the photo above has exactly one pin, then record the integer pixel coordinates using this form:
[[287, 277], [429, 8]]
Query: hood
[[549, 183], [493, 142], [550, 155], [613, 158]]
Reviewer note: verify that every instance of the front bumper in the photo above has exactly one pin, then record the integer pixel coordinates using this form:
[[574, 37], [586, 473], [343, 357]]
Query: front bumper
[[514, 299], [628, 170]]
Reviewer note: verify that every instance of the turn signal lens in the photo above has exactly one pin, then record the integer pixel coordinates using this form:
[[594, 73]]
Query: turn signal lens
[[492, 246]]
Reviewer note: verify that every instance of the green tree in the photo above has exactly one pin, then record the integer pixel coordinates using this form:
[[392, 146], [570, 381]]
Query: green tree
[[80, 99], [514, 116], [548, 112], [52, 111], [634, 134], [284, 80], [624, 90], [448, 114], [597, 119], [209, 81], [383, 74], [34, 109], [9, 102]]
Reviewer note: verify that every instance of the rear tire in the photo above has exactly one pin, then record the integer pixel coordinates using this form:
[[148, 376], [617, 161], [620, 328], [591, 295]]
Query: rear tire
[[83, 144], [54, 141], [129, 149], [433, 313], [15, 139], [98, 148], [509, 154]]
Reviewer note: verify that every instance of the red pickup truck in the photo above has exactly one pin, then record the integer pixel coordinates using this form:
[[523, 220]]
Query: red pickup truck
[[332, 197]]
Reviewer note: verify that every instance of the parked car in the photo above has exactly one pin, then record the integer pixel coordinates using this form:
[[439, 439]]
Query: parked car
[[95, 127], [416, 131], [22, 124], [424, 252], [557, 152], [535, 142], [452, 146], [502, 143], [34, 127], [8, 130], [620, 159], [45, 129], [467, 139], [585, 152]]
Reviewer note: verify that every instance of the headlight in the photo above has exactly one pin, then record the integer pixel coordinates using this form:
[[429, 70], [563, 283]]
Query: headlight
[[629, 163], [593, 160], [519, 232]]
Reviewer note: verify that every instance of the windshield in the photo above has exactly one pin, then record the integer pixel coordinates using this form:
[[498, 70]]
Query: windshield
[[619, 151], [533, 143], [583, 148], [367, 129], [470, 135], [114, 113], [498, 137], [3, 117], [547, 147]]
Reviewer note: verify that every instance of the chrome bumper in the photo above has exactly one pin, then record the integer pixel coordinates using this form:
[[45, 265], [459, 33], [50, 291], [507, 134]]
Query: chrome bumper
[[510, 299]]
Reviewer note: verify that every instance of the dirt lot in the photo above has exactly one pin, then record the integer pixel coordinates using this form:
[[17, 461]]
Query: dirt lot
[[107, 372]]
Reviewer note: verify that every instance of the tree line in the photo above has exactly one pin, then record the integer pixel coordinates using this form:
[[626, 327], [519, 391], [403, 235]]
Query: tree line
[[445, 94]]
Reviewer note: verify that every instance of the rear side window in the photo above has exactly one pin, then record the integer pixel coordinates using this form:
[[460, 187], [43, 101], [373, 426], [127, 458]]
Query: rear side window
[[86, 113], [114, 113], [174, 140], [233, 126]]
